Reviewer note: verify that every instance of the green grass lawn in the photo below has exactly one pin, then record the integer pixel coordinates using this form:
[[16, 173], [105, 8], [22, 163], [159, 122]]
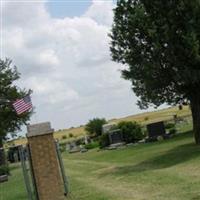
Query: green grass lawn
[[157, 171], [167, 170], [14, 189]]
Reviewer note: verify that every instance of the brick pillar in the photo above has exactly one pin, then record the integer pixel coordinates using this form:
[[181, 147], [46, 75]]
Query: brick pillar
[[44, 160]]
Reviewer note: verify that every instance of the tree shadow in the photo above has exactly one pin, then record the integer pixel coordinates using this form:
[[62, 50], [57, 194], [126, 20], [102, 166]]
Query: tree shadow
[[177, 155]]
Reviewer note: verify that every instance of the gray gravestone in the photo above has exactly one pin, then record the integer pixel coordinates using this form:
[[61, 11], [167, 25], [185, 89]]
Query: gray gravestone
[[115, 136]]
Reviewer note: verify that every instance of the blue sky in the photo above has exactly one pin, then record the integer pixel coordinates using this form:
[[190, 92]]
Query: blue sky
[[68, 7]]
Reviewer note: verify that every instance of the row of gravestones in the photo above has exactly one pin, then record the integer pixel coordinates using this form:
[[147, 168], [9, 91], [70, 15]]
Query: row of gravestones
[[115, 136], [154, 130], [11, 156]]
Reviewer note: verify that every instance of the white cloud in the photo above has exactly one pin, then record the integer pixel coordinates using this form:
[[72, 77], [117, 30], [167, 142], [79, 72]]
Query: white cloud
[[101, 12], [67, 63], [24, 14], [48, 57]]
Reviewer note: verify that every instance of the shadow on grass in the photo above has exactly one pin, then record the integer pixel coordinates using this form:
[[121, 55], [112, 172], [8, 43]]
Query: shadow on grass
[[174, 156]]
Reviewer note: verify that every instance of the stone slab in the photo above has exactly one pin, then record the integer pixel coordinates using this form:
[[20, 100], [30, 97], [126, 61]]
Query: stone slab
[[39, 129], [3, 178]]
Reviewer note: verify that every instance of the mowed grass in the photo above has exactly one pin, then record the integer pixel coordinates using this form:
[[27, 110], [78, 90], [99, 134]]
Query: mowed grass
[[166, 170], [14, 189]]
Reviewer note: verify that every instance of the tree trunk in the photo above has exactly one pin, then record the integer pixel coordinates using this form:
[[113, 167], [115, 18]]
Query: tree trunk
[[195, 108]]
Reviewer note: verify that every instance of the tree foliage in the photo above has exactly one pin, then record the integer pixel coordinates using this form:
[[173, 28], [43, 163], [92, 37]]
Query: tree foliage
[[159, 41], [94, 126], [104, 140], [131, 131], [9, 92]]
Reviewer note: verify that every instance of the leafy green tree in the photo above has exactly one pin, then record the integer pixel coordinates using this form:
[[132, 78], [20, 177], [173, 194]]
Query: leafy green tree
[[94, 126], [10, 122], [159, 41]]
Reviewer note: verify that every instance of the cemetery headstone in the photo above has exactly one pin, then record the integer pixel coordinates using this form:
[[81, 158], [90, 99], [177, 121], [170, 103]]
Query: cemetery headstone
[[107, 127], [115, 136], [13, 154], [73, 148], [156, 129]]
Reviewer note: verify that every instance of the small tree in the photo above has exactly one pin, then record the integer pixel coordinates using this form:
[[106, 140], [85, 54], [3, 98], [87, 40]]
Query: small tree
[[159, 41], [94, 126], [9, 92]]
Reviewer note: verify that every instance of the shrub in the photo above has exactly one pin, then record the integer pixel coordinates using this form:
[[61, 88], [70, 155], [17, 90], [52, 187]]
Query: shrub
[[131, 131], [4, 170], [104, 140], [171, 128], [146, 118], [64, 137], [169, 125], [172, 131], [80, 141], [71, 135], [92, 145], [62, 147]]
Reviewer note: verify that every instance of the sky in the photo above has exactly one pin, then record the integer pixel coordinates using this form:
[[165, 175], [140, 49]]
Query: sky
[[61, 49], [70, 8]]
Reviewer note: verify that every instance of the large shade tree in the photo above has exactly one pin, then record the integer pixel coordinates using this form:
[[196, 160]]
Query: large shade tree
[[10, 122], [159, 41]]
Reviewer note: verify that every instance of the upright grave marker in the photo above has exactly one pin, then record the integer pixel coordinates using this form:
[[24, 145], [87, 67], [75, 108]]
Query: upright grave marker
[[156, 129], [45, 164]]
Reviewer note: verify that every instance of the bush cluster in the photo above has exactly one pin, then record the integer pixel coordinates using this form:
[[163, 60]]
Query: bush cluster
[[171, 128], [71, 135], [92, 145], [62, 147], [169, 125], [64, 137], [131, 131]]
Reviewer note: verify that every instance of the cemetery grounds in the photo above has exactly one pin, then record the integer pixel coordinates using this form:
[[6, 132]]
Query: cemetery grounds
[[166, 170]]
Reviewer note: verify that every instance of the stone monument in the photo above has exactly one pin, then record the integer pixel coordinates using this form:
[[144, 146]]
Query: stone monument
[[44, 160], [156, 129]]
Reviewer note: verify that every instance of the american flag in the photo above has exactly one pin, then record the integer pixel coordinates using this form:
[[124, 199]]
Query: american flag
[[22, 105]]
